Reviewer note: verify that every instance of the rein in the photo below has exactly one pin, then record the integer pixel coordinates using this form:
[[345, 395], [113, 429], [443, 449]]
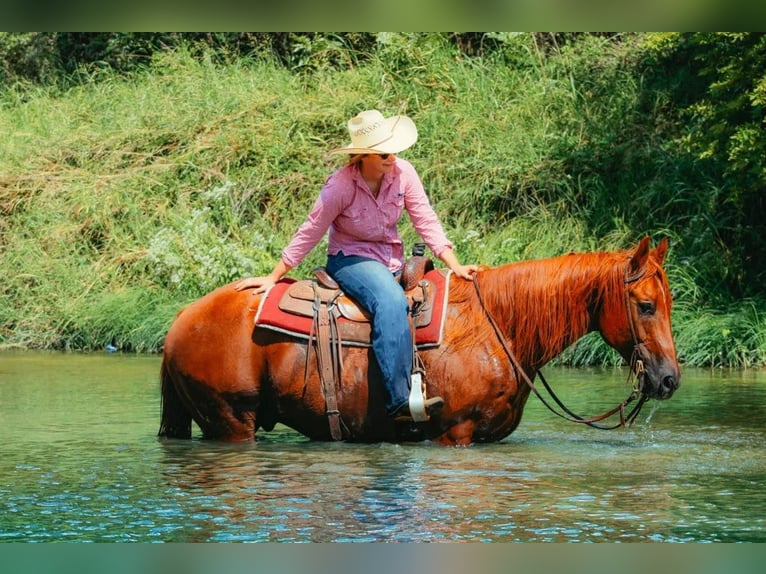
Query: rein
[[636, 368]]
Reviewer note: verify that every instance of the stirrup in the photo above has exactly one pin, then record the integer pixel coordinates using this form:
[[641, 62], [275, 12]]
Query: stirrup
[[417, 400], [418, 404]]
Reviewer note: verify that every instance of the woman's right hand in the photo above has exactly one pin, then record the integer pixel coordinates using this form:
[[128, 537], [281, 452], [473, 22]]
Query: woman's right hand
[[259, 284], [263, 284]]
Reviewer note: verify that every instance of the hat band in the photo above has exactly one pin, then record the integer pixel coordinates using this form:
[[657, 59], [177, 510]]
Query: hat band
[[373, 127], [367, 129]]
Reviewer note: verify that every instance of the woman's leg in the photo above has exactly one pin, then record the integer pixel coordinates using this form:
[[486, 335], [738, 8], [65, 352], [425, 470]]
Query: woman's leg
[[374, 287]]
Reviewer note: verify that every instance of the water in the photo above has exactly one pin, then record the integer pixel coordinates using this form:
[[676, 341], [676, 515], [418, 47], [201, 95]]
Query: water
[[79, 461]]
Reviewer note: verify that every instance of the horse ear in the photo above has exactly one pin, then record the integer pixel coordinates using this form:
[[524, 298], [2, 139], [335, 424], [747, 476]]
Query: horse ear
[[661, 250], [638, 258]]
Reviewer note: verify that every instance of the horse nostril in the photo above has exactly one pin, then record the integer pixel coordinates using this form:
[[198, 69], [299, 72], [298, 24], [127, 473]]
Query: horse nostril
[[669, 384]]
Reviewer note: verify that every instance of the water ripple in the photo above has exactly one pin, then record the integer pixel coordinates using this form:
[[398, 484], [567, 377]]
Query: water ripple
[[690, 470]]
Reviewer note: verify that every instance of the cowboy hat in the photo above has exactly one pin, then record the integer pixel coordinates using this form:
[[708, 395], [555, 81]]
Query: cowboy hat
[[372, 133]]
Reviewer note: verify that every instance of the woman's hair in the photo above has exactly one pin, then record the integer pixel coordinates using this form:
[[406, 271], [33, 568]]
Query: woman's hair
[[355, 158]]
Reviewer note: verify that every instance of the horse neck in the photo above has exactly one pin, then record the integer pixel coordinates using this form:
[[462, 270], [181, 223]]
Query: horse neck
[[546, 305]]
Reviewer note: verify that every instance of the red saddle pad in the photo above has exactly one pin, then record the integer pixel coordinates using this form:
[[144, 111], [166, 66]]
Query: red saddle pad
[[270, 316]]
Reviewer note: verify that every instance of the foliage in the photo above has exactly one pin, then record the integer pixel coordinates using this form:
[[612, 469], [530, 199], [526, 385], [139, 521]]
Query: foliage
[[206, 250], [717, 86], [143, 170]]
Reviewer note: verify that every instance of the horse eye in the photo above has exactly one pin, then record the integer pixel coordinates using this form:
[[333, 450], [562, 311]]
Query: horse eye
[[646, 308]]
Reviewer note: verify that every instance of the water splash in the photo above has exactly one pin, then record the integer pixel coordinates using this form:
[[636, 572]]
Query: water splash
[[645, 430], [655, 406]]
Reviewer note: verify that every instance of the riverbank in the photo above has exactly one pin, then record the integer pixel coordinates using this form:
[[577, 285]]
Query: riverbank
[[129, 195]]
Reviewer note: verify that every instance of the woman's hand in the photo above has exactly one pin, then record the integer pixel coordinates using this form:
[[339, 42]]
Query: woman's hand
[[462, 271], [263, 284], [465, 271], [259, 284]]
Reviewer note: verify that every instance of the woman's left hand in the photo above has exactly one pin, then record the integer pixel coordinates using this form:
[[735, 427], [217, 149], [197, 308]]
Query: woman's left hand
[[465, 271], [462, 271]]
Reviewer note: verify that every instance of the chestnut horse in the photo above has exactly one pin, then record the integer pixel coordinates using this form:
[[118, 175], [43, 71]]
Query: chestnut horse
[[232, 379]]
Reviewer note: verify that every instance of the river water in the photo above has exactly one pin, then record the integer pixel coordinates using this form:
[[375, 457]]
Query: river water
[[80, 462]]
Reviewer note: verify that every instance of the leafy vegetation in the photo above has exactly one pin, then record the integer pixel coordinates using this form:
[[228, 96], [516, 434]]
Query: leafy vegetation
[[139, 171]]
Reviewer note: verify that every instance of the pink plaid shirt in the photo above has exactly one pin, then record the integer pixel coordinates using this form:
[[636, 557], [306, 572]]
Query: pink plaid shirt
[[361, 224]]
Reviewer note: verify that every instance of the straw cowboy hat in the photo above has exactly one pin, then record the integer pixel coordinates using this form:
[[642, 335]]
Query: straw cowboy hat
[[372, 133]]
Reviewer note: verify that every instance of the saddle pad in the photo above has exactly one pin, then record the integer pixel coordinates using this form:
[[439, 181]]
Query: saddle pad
[[270, 316]]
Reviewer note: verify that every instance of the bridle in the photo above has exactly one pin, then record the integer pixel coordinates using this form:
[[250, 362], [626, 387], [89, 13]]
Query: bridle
[[636, 369]]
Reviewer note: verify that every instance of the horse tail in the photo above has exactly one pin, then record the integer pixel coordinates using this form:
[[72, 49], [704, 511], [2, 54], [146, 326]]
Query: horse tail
[[175, 421]]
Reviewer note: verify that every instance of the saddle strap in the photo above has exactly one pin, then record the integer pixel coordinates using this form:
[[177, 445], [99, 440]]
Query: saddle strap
[[326, 366]]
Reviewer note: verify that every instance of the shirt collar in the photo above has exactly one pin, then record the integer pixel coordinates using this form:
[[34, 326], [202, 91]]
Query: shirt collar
[[388, 178]]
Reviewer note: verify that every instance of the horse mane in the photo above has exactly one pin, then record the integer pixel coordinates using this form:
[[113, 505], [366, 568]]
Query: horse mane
[[545, 305]]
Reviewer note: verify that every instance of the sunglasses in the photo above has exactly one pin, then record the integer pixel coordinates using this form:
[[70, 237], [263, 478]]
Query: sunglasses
[[383, 155]]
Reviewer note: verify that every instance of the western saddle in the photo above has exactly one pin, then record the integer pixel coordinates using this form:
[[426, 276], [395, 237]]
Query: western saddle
[[322, 299]]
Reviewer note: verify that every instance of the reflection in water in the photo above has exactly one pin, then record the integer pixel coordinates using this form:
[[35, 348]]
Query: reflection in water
[[81, 463]]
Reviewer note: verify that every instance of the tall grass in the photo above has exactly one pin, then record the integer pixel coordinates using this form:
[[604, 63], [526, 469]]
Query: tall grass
[[127, 197]]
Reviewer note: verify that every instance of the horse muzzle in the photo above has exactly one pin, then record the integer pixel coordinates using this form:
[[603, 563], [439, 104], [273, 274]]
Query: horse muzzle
[[660, 384], [656, 378]]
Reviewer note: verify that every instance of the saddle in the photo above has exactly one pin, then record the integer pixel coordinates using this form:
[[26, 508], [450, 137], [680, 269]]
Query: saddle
[[306, 297], [331, 319]]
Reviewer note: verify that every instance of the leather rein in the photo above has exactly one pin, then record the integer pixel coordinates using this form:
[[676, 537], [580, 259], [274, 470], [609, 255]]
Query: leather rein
[[636, 369]]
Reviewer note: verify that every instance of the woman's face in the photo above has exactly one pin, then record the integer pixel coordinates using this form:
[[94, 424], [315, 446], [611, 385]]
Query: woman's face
[[378, 164]]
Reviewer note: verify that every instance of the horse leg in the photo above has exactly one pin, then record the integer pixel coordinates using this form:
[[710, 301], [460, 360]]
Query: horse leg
[[233, 416], [460, 434], [225, 416]]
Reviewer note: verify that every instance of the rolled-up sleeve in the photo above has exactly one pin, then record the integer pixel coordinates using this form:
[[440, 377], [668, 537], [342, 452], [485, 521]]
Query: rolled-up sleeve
[[423, 217]]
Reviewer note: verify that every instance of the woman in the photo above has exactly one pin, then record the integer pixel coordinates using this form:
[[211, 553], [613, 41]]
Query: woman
[[361, 204]]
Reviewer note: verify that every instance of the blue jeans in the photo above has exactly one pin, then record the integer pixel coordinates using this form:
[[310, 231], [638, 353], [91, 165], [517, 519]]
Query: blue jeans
[[374, 287]]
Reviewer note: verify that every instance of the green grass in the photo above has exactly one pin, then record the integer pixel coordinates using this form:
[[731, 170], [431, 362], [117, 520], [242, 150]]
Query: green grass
[[125, 198]]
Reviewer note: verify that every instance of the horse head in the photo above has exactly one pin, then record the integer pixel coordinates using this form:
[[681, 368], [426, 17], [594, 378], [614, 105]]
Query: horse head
[[635, 320]]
